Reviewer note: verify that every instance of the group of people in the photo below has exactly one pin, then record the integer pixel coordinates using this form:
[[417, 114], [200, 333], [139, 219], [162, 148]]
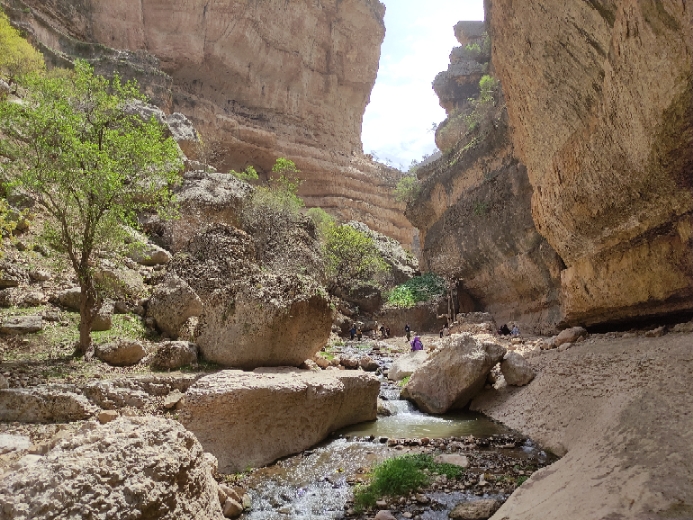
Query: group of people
[[505, 331], [357, 332]]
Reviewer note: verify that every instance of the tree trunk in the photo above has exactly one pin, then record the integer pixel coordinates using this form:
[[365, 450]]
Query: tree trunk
[[88, 308]]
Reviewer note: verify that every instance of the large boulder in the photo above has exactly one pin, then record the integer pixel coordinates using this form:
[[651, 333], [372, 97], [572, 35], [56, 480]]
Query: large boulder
[[272, 321], [44, 404], [251, 419], [121, 353], [571, 335], [251, 318], [132, 467], [516, 370], [406, 365], [104, 318], [70, 298], [455, 373], [148, 254], [174, 354], [172, 303], [121, 282]]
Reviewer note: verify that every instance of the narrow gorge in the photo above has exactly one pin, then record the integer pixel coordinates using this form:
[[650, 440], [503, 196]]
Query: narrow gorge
[[269, 323]]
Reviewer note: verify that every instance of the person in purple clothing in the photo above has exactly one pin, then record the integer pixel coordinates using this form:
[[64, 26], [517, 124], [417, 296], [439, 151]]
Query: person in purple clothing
[[416, 343]]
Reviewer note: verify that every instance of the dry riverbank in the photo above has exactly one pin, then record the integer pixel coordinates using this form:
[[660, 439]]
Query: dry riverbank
[[620, 410]]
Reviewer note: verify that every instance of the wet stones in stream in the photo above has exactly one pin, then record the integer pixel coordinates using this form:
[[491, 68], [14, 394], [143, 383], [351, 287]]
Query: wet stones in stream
[[319, 483]]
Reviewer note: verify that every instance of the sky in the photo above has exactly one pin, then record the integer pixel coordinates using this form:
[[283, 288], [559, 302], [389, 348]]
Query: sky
[[418, 41]]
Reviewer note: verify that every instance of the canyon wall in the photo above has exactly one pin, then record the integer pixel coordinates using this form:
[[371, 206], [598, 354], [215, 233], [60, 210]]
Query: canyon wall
[[259, 80], [473, 210], [600, 100]]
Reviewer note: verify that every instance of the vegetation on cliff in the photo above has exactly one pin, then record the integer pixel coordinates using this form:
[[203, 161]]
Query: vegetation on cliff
[[419, 289], [88, 165], [17, 56]]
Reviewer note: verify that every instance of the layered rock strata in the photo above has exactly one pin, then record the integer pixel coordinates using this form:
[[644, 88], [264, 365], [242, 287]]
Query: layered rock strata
[[251, 419], [259, 80], [600, 99], [473, 211]]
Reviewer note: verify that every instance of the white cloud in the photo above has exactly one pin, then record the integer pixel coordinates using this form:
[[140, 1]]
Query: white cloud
[[419, 38]]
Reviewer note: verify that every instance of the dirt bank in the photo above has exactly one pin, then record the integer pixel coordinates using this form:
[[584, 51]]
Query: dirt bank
[[621, 410]]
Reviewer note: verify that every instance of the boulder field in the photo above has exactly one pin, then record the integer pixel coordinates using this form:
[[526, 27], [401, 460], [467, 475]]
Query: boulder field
[[251, 419]]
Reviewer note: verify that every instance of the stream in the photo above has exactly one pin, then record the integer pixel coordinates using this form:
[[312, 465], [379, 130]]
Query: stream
[[318, 483]]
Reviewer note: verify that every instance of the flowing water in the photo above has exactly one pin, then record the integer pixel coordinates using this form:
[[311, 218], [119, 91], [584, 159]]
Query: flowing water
[[314, 485]]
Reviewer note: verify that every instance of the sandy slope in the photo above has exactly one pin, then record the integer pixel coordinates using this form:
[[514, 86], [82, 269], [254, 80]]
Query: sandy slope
[[621, 411]]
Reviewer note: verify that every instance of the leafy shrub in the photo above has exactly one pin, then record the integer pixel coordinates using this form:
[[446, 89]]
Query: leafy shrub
[[419, 289], [247, 175], [407, 189], [399, 476], [17, 56], [351, 257], [322, 220]]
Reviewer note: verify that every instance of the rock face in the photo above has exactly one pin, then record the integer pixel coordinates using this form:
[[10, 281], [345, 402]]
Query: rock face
[[132, 468], [292, 409], [454, 374], [250, 318], [601, 104], [474, 208], [258, 80]]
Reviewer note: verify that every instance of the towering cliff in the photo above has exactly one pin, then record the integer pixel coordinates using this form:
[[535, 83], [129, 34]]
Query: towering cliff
[[600, 99], [473, 211], [258, 79]]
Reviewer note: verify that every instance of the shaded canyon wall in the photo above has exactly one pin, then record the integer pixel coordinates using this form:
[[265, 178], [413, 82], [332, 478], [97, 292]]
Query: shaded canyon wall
[[258, 79], [473, 211], [600, 99]]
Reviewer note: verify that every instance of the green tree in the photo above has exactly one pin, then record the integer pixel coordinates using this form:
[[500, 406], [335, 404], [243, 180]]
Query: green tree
[[351, 257], [247, 175], [17, 56], [88, 164], [408, 188], [273, 210]]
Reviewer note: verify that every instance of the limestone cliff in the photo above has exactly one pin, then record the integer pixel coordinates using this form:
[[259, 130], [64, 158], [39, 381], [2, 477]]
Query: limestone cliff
[[473, 211], [600, 99], [258, 79]]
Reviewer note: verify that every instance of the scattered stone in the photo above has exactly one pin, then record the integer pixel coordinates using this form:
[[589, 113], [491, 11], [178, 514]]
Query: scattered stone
[[451, 458], [129, 466], [70, 298], [516, 370], [232, 509], [475, 510], [3, 383], [172, 355], [22, 325], [11, 276], [32, 299], [369, 364], [122, 283], [107, 416], [572, 335], [684, 327], [10, 443], [104, 318], [293, 409], [121, 353], [656, 333], [453, 375], [172, 399], [148, 254], [39, 275], [349, 361]]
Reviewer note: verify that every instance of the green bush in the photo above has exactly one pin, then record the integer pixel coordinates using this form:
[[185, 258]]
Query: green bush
[[407, 189], [399, 476], [247, 175], [419, 289], [351, 257]]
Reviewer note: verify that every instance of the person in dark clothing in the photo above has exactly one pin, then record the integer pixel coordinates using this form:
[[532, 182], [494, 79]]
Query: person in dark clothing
[[407, 331], [359, 334], [387, 332], [504, 330], [352, 332]]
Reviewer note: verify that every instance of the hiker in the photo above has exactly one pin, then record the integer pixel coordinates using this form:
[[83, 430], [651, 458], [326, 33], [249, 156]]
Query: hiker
[[515, 331], [504, 330], [407, 331], [446, 330], [382, 331], [352, 332], [387, 332], [359, 334], [416, 344], [441, 332]]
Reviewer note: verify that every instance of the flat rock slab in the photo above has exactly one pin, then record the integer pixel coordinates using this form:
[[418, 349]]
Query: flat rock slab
[[251, 419], [44, 404], [22, 325]]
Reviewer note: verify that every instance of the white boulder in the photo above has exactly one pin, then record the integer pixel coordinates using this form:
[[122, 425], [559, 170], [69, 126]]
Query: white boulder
[[516, 370]]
